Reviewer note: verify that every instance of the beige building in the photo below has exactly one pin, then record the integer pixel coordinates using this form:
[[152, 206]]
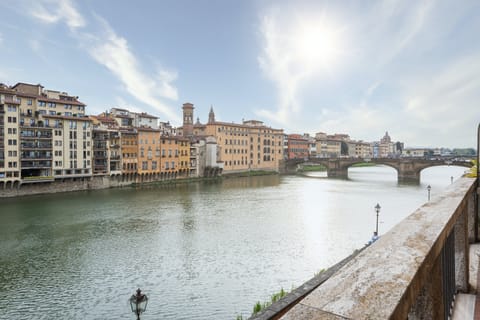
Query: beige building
[[9, 141], [328, 146], [31, 118], [72, 146], [241, 147], [363, 149]]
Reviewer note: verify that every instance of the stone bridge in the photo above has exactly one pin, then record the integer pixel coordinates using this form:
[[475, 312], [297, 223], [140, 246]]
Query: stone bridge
[[408, 169]]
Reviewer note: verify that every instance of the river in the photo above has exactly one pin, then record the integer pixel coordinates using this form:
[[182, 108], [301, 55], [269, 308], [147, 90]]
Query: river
[[206, 250]]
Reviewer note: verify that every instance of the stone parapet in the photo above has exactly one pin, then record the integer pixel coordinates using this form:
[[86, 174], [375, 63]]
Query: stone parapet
[[413, 271]]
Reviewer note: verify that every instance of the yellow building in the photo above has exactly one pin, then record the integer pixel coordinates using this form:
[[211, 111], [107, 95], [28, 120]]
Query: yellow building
[[183, 156], [242, 147]]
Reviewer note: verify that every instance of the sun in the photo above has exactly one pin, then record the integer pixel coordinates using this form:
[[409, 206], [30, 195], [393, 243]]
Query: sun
[[316, 43]]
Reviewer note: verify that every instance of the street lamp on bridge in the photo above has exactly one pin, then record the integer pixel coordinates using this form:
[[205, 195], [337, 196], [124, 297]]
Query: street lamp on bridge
[[428, 189], [377, 209], [138, 303]]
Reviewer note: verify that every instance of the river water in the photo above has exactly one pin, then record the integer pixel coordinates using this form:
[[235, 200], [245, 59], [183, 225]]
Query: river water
[[206, 250]]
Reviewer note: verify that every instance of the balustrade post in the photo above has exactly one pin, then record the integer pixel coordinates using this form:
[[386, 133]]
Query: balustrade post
[[461, 252], [472, 218], [429, 303]]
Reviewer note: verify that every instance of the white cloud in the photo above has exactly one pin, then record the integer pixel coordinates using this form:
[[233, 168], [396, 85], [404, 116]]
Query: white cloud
[[372, 89], [113, 52], [53, 11]]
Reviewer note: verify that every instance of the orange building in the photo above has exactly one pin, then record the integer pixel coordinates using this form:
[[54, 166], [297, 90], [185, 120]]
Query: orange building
[[129, 147], [297, 147], [170, 152], [148, 152]]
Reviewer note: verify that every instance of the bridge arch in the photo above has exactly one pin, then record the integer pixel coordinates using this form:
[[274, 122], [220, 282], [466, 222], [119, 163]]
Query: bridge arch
[[408, 169], [385, 163]]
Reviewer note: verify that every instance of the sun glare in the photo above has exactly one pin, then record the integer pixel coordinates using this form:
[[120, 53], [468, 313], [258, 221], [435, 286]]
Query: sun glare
[[316, 44]]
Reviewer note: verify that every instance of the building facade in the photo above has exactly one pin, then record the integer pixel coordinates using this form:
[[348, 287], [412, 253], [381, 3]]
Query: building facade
[[33, 144], [298, 146]]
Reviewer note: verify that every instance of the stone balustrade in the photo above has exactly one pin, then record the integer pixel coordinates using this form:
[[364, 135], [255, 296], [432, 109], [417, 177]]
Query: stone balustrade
[[411, 272]]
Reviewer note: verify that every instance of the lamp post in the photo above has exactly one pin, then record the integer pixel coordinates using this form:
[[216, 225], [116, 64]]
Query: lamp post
[[138, 303], [428, 189], [377, 209]]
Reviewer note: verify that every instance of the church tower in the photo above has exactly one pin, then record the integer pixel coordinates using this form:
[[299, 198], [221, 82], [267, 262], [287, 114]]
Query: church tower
[[211, 115], [187, 119]]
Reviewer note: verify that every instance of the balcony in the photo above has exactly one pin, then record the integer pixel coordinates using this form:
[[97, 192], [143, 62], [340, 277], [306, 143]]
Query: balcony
[[413, 271], [27, 146], [35, 157], [36, 164]]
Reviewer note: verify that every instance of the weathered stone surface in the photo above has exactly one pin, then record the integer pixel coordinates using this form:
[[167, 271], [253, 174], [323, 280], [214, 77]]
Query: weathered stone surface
[[385, 280], [301, 311], [474, 262]]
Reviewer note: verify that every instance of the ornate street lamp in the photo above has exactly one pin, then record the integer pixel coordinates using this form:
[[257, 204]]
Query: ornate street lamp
[[138, 303], [377, 209], [429, 188]]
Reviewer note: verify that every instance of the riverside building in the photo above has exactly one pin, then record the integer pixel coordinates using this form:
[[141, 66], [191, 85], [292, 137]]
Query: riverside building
[[33, 124], [241, 147]]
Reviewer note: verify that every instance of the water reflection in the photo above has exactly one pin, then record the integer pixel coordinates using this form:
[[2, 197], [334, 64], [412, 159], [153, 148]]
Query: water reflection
[[201, 251]]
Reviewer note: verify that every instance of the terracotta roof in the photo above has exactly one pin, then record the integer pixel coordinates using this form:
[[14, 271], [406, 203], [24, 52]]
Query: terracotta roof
[[147, 129], [75, 102], [146, 115], [67, 117], [231, 124]]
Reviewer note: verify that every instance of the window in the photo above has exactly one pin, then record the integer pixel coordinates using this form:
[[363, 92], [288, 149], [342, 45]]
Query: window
[[154, 165], [29, 102], [12, 142], [144, 165], [12, 108], [12, 119]]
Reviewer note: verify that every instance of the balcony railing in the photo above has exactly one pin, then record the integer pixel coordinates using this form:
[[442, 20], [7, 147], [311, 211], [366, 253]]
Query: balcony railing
[[36, 146], [36, 157], [35, 164], [412, 271]]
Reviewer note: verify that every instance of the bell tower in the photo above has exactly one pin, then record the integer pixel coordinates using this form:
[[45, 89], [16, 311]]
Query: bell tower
[[188, 119]]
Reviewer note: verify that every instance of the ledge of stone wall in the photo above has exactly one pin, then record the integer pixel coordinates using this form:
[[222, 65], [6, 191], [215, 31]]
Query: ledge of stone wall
[[383, 281], [279, 308]]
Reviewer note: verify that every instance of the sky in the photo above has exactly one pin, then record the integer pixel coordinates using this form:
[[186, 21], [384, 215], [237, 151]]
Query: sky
[[411, 68]]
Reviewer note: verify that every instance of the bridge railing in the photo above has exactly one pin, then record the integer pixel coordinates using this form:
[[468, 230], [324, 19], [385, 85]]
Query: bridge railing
[[414, 271]]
